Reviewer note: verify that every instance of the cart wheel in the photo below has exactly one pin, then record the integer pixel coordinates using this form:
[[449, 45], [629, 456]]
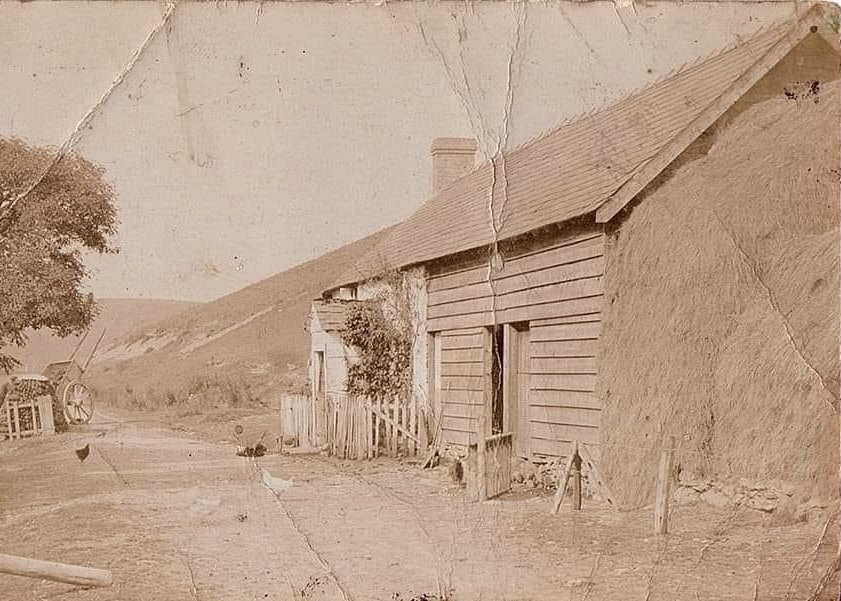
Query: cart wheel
[[78, 403]]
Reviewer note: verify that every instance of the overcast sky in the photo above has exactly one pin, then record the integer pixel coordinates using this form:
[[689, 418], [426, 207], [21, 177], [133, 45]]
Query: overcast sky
[[241, 144]]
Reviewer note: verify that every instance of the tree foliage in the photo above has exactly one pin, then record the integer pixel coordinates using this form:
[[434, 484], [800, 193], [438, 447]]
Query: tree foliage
[[43, 238], [379, 329]]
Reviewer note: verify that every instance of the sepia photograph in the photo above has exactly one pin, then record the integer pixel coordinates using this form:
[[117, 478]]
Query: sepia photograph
[[420, 301]]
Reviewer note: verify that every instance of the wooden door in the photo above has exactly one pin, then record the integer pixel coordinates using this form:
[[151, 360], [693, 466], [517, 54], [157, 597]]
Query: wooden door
[[517, 355]]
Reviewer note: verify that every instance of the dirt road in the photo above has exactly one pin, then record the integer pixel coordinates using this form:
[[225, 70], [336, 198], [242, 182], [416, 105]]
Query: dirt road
[[177, 517]]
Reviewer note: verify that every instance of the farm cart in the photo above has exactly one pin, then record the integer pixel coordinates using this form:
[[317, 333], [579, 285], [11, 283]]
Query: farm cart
[[23, 398]]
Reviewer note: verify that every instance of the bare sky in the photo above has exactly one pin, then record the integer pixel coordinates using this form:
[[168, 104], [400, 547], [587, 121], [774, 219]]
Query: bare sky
[[243, 142]]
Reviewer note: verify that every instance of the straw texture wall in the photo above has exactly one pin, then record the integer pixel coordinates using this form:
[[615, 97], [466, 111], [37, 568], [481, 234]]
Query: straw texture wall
[[722, 308]]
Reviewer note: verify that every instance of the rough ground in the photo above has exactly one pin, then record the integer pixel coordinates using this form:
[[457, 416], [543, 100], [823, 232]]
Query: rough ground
[[176, 516]]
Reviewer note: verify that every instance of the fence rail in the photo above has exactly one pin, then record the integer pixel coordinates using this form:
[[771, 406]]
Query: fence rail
[[355, 427]]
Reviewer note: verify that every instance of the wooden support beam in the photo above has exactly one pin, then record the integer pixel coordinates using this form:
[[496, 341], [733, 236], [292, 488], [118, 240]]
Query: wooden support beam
[[57, 572], [576, 478], [597, 477], [661, 505], [563, 481], [481, 475]]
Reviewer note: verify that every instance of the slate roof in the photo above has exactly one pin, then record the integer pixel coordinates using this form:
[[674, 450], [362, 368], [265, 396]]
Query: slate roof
[[569, 171]]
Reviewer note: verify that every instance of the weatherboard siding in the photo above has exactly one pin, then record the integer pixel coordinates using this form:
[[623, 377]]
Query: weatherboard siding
[[558, 291], [461, 361]]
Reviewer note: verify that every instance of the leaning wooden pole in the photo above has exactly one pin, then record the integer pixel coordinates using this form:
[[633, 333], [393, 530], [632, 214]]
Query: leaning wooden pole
[[57, 572], [661, 504], [95, 347], [79, 345]]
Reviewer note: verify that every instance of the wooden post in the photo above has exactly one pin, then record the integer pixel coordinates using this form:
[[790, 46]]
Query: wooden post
[[396, 420], [377, 426], [57, 572], [404, 416], [412, 419], [280, 438], [563, 481], [576, 478], [481, 477], [45, 412], [661, 505]]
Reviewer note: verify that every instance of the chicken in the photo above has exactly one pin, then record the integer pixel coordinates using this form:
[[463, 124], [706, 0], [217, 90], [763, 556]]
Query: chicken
[[83, 453], [276, 485]]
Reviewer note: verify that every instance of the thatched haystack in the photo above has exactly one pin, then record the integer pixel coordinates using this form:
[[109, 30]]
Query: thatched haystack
[[722, 306]]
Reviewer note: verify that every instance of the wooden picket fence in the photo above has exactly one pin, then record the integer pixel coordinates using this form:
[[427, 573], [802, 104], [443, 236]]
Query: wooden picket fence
[[297, 420], [354, 427], [361, 428]]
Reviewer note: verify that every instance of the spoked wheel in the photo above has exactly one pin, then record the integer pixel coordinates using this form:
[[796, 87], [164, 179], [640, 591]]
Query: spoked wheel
[[78, 403]]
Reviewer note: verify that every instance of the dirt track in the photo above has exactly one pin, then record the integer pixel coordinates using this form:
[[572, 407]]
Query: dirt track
[[176, 517]]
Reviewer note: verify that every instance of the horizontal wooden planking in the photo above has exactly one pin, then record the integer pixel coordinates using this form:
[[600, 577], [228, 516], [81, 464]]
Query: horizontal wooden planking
[[458, 279], [463, 355], [585, 247], [458, 424], [550, 293], [539, 323], [563, 365], [461, 410], [588, 268], [556, 448], [570, 331], [564, 398], [572, 307], [475, 383], [465, 307], [551, 309], [459, 321], [547, 293], [581, 248], [466, 397], [585, 383], [564, 348], [478, 290], [565, 415], [462, 341], [563, 432], [561, 273], [463, 331], [462, 369]]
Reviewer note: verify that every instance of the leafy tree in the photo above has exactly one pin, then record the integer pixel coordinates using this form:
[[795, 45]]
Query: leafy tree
[[384, 346], [53, 209]]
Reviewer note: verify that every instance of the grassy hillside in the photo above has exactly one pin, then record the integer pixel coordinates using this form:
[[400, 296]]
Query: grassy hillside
[[236, 349], [120, 317]]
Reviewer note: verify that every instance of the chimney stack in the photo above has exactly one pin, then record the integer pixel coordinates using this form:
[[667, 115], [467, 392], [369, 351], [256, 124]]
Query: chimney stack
[[451, 159]]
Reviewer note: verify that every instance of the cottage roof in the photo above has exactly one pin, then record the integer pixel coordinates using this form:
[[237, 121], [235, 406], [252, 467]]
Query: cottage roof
[[601, 159], [331, 314]]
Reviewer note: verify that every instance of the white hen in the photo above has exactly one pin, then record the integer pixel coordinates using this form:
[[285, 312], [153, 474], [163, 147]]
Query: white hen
[[276, 485]]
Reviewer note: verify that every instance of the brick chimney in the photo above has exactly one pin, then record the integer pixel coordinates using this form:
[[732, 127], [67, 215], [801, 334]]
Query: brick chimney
[[451, 159]]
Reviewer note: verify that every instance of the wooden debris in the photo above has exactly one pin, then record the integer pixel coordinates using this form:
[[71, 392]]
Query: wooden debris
[[57, 572]]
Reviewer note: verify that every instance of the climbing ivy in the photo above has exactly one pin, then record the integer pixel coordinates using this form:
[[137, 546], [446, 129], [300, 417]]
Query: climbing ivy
[[380, 331]]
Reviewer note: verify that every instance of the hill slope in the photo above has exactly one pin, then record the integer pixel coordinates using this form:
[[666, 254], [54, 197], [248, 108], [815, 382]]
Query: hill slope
[[120, 317], [250, 341]]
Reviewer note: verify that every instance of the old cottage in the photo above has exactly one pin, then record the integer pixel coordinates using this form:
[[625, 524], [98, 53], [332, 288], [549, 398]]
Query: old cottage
[[665, 266]]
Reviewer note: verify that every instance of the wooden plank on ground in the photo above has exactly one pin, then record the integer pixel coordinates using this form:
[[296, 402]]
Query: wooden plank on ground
[[56, 572]]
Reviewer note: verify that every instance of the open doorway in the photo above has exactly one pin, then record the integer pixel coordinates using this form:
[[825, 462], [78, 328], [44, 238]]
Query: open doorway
[[318, 374], [497, 379]]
